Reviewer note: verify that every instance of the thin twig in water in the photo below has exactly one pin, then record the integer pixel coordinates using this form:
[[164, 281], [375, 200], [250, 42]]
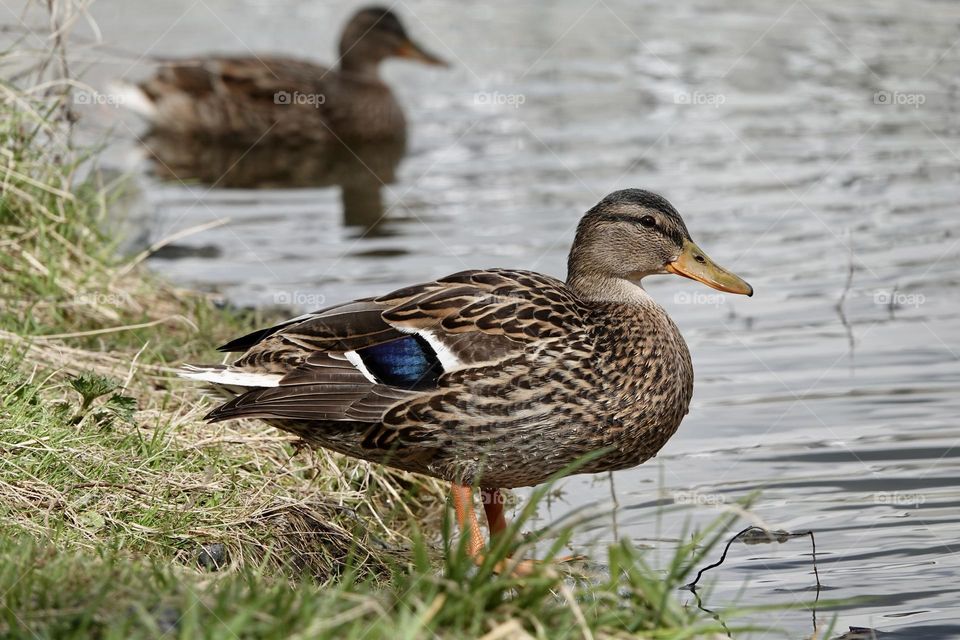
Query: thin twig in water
[[713, 614], [849, 282], [842, 301], [773, 536]]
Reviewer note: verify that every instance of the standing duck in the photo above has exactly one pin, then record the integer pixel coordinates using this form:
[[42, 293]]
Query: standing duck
[[243, 99], [493, 378]]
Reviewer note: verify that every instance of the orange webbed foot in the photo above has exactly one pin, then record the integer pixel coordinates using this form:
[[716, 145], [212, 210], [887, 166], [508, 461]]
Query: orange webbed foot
[[493, 508]]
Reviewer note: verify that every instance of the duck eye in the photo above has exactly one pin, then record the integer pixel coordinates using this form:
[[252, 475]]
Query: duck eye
[[648, 222]]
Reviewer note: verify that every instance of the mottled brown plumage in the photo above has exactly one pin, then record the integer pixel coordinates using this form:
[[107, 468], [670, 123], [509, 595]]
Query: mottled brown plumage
[[497, 378], [249, 99]]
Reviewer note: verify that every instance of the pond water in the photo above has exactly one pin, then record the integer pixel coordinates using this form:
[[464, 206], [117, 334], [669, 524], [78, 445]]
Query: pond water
[[811, 146]]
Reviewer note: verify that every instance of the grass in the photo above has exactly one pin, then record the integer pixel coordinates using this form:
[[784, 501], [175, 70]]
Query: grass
[[125, 515], [76, 595], [114, 531]]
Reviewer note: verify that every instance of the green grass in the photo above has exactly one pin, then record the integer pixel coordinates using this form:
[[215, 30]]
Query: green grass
[[106, 524], [69, 594], [125, 515]]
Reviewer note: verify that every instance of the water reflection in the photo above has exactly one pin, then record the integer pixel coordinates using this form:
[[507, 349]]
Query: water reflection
[[361, 170]]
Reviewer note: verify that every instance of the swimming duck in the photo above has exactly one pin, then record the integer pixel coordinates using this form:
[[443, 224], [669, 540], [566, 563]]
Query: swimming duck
[[249, 99], [492, 378]]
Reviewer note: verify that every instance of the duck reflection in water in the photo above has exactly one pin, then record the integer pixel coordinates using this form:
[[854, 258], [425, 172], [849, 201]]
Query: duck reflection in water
[[361, 170]]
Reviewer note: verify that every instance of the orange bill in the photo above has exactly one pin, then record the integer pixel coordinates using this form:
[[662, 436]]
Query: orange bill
[[693, 263], [412, 51]]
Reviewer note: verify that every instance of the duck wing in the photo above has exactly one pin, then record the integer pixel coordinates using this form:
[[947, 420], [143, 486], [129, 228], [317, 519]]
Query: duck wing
[[355, 361], [245, 99], [231, 77]]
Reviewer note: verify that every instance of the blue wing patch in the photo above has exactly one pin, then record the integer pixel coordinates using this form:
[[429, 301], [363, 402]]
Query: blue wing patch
[[408, 363]]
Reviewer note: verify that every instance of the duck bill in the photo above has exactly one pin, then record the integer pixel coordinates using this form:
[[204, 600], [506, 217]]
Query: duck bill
[[693, 263], [413, 51]]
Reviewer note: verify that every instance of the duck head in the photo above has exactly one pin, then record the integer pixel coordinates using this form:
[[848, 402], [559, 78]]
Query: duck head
[[374, 34], [631, 234]]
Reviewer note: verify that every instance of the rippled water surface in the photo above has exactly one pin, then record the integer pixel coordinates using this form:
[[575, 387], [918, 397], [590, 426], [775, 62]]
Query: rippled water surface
[[770, 126]]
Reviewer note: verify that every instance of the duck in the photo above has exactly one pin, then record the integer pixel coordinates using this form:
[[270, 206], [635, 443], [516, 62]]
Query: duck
[[252, 99], [491, 379]]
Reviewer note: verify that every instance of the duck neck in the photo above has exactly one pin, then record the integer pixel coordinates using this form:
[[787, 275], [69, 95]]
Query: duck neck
[[596, 287], [354, 63]]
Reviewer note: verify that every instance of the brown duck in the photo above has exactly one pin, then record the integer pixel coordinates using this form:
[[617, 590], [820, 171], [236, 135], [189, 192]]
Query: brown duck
[[272, 98], [492, 378]]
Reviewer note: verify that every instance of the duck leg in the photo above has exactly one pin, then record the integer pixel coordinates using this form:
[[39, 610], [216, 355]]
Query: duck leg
[[497, 523], [467, 520], [493, 507]]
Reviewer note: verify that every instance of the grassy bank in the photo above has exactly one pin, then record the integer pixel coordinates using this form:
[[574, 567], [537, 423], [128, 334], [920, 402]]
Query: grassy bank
[[124, 515]]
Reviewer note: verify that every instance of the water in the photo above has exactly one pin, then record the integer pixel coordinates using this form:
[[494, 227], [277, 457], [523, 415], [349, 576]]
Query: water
[[770, 126]]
